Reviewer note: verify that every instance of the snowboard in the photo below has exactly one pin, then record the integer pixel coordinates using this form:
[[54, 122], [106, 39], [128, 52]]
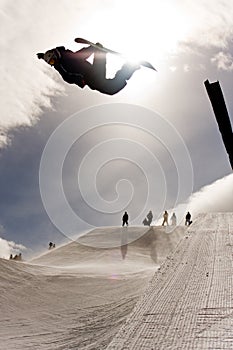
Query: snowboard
[[105, 49]]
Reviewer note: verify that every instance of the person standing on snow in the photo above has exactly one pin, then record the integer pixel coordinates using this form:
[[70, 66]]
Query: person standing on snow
[[147, 221], [173, 219], [188, 219], [165, 218], [125, 219]]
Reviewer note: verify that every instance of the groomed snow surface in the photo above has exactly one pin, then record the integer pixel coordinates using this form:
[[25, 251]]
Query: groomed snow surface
[[124, 288], [189, 303], [78, 296]]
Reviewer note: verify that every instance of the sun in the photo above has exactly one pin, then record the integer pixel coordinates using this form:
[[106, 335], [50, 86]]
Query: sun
[[148, 30], [141, 30]]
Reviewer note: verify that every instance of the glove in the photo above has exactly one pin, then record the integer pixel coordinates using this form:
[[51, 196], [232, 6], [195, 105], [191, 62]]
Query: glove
[[40, 55]]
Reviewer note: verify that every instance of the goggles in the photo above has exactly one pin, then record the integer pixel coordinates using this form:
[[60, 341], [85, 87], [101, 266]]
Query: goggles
[[50, 57]]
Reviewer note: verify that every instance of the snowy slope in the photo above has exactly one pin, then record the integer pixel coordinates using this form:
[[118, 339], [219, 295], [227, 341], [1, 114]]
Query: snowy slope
[[78, 296], [189, 303]]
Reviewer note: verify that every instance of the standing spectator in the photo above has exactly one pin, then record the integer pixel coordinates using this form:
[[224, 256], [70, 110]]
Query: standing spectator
[[165, 218], [188, 219], [147, 221], [173, 219], [125, 219], [149, 217]]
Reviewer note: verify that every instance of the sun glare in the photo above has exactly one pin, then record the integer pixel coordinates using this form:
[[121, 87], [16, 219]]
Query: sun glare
[[147, 29], [141, 30]]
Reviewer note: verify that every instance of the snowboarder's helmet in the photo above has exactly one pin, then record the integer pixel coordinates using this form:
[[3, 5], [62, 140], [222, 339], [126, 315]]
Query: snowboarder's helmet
[[50, 57]]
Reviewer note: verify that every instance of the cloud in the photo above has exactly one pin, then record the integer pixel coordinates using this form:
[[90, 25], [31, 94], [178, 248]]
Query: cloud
[[2, 229], [216, 197], [223, 61], [27, 84], [7, 248], [173, 69], [209, 23]]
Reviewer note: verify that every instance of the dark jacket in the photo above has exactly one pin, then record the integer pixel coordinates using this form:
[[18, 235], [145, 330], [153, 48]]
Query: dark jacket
[[73, 66]]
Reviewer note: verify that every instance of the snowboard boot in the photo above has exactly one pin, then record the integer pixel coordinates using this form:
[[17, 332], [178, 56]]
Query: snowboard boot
[[127, 71]]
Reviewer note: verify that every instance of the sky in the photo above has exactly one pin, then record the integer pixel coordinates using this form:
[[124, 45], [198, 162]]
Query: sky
[[73, 159]]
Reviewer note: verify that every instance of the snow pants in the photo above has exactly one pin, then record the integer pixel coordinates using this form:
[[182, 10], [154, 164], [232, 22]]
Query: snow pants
[[97, 80]]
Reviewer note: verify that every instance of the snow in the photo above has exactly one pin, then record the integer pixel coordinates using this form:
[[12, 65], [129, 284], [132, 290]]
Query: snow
[[163, 290], [77, 296], [188, 303]]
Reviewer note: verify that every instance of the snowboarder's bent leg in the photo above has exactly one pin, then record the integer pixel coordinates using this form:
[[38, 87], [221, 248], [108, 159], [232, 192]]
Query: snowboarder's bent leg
[[109, 86], [112, 86], [99, 65]]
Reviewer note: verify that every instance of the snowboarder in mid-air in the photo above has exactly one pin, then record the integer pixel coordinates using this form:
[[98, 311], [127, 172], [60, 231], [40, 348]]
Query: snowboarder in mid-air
[[75, 69]]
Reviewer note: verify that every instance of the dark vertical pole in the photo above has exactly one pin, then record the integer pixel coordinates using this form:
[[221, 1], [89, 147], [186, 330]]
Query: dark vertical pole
[[220, 110]]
